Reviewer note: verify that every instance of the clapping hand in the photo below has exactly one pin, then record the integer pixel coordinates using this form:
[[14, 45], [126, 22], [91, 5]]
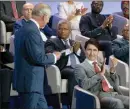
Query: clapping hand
[[103, 69], [83, 10], [108, 22], [76, 46], [113, 65]]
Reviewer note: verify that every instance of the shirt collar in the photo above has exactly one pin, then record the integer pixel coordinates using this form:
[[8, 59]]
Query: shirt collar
[[90, 62], [65, 40], [35, 22]]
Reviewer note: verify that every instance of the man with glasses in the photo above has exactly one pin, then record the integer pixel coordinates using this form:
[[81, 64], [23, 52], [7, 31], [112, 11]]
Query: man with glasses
[[121, 46]]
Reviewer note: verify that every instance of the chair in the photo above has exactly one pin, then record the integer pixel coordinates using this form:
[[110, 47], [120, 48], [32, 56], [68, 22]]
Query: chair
[[4, 36], [123, 71], [57, 85], [83, 99], [54, 86], [83, 39]]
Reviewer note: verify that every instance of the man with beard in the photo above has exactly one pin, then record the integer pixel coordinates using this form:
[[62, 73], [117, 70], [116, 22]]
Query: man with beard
[[98, 26]]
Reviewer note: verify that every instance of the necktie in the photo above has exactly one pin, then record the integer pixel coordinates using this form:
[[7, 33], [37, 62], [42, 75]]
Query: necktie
[[15, 13], [105, 86], [72, 56], [66, 44]]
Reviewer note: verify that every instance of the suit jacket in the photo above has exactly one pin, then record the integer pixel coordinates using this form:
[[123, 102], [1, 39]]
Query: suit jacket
[[90, 27], [30, 59], [46, 30], [91, 81], [56, 44], [120, 48], [6, 12], [18, 24]]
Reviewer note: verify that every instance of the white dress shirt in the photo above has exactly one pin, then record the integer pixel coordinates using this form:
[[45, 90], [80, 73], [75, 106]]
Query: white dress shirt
[[91, 63]]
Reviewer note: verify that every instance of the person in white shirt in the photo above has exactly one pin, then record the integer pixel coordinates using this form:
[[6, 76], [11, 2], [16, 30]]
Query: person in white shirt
[[72, 11]]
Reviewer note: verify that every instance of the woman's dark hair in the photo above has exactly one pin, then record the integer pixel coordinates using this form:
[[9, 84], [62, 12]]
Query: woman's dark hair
[[93, 42]]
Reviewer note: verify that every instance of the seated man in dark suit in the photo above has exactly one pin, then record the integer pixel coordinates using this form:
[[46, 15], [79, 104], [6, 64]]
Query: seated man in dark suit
[[92, 76], [96, 25], [72, 53], [120, 46], [10, 11], [27, 15]]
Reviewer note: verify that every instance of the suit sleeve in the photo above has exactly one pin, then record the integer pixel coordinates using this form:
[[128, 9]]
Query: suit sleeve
[[85, 29], [83, 80], [36, 51], [5, 17], [119, 51], [17, 26]]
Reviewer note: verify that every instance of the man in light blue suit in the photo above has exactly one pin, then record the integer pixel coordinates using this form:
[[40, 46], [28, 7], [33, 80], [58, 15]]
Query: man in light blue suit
[[30, 59]]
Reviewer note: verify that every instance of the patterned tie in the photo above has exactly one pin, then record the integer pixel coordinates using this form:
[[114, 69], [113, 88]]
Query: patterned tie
[[72, 56], [104, 83], [15, 13]]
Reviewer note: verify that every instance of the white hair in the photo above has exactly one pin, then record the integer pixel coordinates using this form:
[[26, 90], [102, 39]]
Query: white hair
[[64, 22], [41, 9]]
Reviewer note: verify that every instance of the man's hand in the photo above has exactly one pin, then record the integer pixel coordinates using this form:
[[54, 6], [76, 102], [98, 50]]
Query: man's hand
[[113, 65], [2, 49], [76, 46], [78, 12], [83, 10], [58, 55], [108, 22], [103, 70]]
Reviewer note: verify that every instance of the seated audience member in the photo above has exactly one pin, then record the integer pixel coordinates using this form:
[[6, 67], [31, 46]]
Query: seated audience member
[[27, 15], [72, 53], [96, 25], [72, 11], [120, 46], [124, 8], [10, 11], [121, 18], [92, 76]]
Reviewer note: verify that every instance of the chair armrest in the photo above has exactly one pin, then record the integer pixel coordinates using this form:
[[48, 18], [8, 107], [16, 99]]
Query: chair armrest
[[53, 80], [84, 96], [124, 90], [2, 32]]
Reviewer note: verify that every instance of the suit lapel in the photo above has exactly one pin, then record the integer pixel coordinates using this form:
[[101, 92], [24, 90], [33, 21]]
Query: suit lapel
[[89, 68], [60, 44]]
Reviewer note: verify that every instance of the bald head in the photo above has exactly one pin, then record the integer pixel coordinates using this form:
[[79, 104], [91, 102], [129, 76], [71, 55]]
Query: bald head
[[27, 10]]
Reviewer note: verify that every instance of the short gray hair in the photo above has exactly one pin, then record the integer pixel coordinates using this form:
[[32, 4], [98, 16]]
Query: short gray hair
[[64, 22], [41, 9]]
